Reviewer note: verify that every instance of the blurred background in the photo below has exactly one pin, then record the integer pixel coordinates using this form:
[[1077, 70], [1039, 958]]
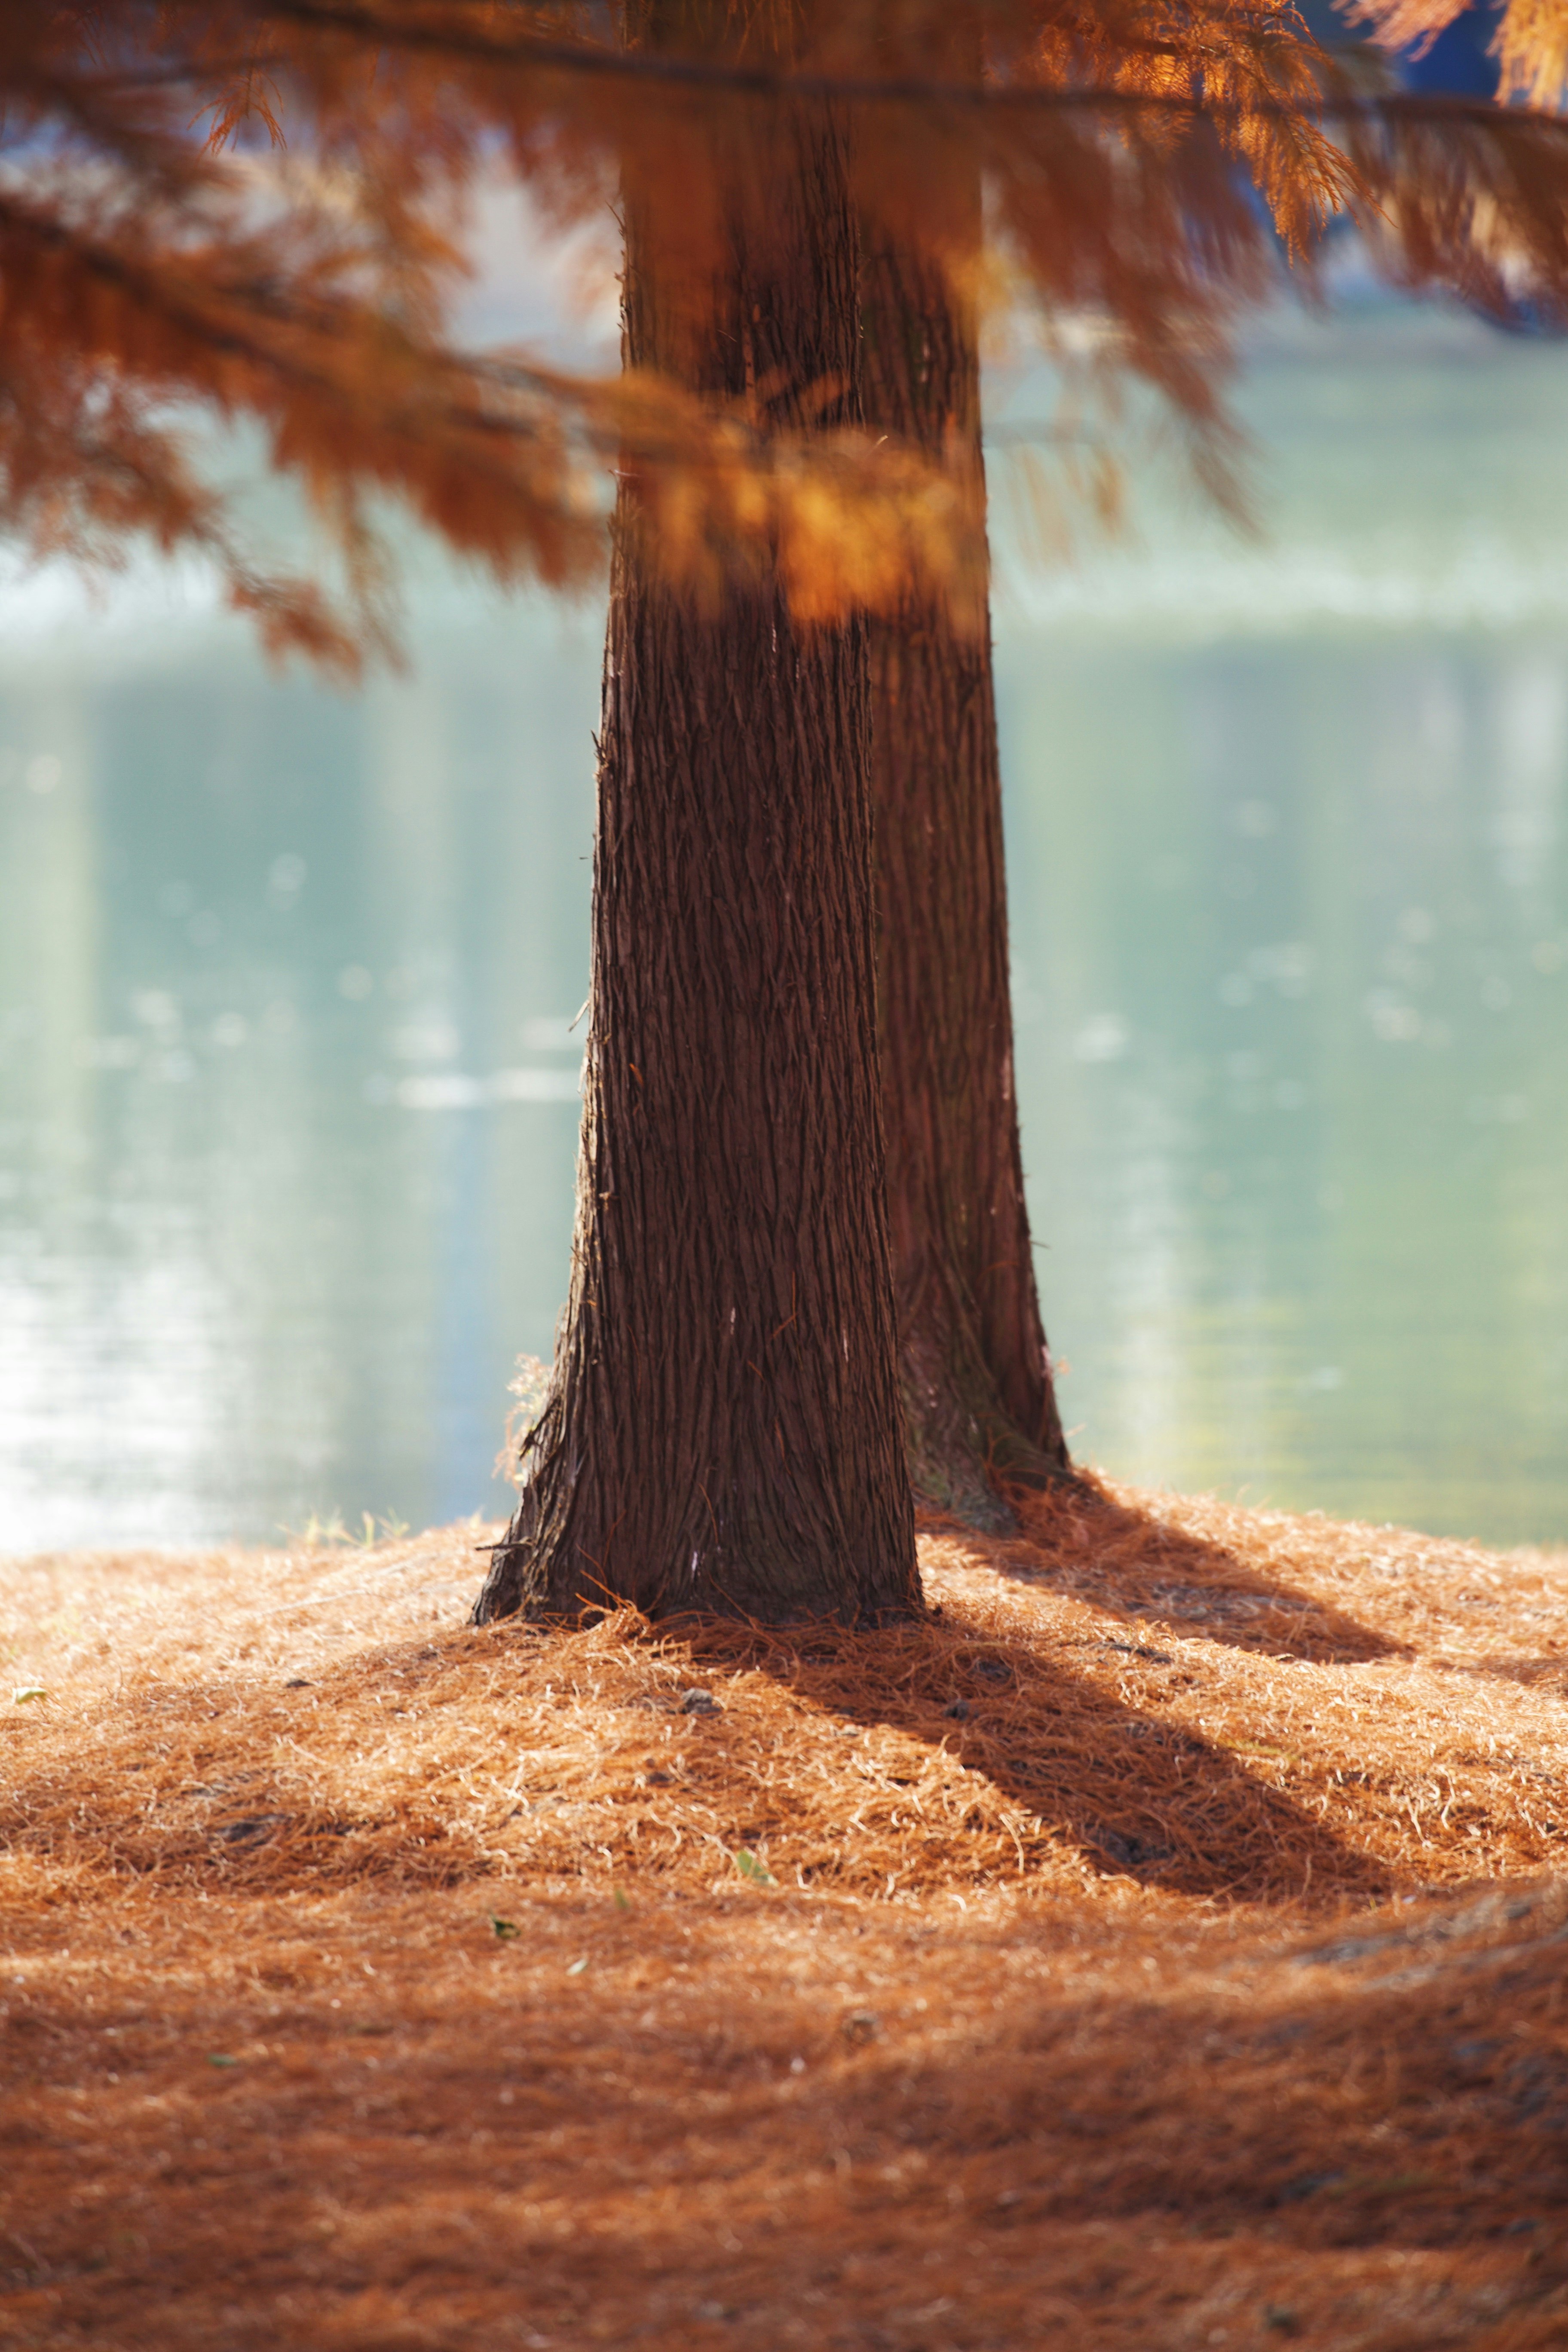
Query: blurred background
[[289, 1082]]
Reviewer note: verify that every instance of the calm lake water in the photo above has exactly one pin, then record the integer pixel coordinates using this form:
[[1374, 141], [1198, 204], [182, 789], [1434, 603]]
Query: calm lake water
[[288, 1084]]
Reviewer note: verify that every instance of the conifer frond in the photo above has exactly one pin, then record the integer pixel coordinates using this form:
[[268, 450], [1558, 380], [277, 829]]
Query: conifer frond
[[157, 257], [1532, 51], [1531, 43], [249, 96]]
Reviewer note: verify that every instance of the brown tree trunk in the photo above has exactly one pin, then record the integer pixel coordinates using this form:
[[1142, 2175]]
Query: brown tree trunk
[[723, 1430], [979, 1404]]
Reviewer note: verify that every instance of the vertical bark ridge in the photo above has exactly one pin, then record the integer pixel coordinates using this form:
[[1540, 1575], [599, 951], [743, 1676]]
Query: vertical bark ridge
[[723, 1429]]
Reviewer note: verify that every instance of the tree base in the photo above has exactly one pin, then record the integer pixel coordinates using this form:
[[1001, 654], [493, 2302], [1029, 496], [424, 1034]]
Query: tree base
[[968, 1479], [524, 1583]]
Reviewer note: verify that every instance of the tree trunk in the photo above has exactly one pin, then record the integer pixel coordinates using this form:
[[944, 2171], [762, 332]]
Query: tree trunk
[[979, 1404], [723, 1432]]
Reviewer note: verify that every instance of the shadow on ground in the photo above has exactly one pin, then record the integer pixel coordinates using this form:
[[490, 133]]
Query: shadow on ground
[[1081, 1540], [1139, 1797], [415, 1761]]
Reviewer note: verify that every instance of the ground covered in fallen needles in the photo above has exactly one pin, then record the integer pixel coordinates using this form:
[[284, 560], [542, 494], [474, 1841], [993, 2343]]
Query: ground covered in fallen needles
[[1161, 1946]]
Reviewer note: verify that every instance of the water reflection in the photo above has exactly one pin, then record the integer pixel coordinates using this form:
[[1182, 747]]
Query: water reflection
[[1303, 1182], [290, 1096], [288, 981]]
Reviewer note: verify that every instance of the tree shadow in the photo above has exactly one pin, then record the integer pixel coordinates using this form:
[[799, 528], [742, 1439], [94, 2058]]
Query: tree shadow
[[1082, 1540], [1138, 1797], [1072, 1757], [1533, 1674]]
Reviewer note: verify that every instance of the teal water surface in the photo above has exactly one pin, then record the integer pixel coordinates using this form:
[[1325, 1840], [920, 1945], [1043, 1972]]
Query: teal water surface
[[288, 1079]]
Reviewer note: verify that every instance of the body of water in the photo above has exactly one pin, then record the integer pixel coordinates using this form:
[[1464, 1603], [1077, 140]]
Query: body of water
[[287, 1079]]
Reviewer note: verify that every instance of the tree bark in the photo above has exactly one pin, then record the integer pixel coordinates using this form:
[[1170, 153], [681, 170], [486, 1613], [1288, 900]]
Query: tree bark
[[723, 1430], [979, 1404]]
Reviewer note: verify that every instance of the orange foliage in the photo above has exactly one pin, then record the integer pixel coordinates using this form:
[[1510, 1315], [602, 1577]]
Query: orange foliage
[[161, 249], [1533, 50], [1531, 43]]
